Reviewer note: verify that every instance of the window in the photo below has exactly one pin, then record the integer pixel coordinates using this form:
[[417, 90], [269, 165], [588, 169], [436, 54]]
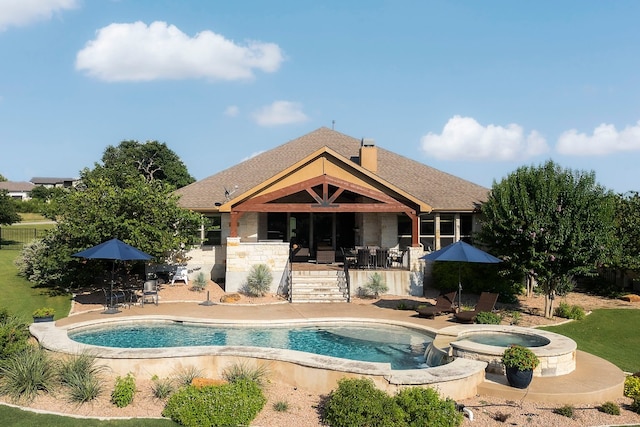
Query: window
[[428, 231], [213, 230], [404, 231], [466, 227]]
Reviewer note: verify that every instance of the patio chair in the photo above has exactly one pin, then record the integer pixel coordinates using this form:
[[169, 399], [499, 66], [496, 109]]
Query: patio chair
[[486, 302], [113, 298], [149, 292], [180, 274], [364, 258], [444, 305]]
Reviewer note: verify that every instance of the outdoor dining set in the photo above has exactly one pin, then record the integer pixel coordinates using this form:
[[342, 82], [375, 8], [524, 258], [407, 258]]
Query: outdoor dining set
[[132, 291], [373, 257]]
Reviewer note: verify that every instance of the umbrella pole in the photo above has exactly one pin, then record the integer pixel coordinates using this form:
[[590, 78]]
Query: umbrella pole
[[112, 309], [459, 290]]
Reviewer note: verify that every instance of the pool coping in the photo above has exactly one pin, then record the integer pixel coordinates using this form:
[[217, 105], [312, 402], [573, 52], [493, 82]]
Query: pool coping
[[55, 338]]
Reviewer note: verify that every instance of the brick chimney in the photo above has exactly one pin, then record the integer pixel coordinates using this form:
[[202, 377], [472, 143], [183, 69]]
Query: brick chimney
[[369, 155]]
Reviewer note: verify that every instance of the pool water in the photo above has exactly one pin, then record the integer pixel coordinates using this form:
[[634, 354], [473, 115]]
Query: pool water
[[403, 348], [505, 339]]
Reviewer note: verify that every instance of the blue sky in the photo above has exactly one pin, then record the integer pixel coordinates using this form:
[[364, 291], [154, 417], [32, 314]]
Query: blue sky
[[473, 88]]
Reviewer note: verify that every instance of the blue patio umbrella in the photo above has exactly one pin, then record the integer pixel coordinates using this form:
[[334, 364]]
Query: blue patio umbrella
[[114, 250], [461, 252]]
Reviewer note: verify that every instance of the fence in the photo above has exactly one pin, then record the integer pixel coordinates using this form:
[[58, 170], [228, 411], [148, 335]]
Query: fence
[[16, 238]]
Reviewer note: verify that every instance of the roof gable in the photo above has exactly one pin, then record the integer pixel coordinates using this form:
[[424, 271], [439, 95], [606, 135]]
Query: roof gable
[[325, 162], [431, 187]]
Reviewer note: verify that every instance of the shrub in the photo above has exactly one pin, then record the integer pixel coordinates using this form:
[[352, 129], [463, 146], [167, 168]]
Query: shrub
[[569, 312], [423, 407], [162, 387], [632, 386], [43, 312], [517, 356], [635, 405], [203, 382], [565, 411], [376, 285], [357, 402], [281, 406], [14, 334], [25, 374], [515, 317], [404, 306], [124, 390], [488, 318], [230, 404], [259, 280], [610, 408], [185, 376], [80, 375], [243, 372], [199, 282]]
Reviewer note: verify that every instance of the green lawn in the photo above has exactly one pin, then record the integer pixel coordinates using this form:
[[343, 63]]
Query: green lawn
[[20, 297], [609, 333], [18, 418]]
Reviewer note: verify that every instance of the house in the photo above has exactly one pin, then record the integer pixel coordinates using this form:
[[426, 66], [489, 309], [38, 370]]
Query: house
[[55, 182], [324, 192], [17, 189]]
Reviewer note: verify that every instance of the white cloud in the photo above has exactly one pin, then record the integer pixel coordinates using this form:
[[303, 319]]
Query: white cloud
[[232, 111], [463, 138], [137, 52], [280, 113], [23, 12], [604, 140]]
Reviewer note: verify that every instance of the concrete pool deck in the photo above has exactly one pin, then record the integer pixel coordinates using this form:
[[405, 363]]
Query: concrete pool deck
[[593, 381]]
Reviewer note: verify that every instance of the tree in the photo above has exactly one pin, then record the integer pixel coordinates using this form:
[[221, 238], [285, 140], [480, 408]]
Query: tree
[[8, 213], [549, 224], [2, 178], [143, 214], [628, 231], [152, 159]]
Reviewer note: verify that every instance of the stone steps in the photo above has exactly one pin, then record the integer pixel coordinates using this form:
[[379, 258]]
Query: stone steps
[[316, 287]]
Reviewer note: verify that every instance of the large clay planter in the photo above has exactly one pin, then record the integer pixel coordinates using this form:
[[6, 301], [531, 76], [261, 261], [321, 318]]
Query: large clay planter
[[41, 319], [518, 378]]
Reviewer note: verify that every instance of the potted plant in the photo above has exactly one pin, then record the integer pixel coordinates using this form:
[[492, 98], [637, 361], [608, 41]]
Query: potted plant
[[519, 363], [43, 314]]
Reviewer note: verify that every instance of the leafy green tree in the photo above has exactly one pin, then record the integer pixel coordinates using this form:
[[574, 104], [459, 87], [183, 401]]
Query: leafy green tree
[[143, 214], [628, 231], [8, 212], [40, 192], [152, 159], [550, 224], [2, 178]]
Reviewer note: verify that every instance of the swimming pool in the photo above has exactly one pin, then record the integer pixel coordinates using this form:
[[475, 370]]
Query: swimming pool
[[403, 348]]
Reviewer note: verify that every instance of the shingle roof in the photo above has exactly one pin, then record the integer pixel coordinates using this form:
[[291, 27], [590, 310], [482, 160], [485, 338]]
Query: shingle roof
[[16, 186], [438, 189], [52, 181]]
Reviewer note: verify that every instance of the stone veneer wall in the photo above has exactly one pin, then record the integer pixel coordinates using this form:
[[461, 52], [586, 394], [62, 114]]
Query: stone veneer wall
[[207, 259], [242, 256]]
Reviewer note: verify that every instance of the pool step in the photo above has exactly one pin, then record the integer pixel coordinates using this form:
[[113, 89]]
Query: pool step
[[316, 287]]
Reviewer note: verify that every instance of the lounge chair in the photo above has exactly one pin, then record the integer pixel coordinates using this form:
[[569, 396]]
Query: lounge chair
[[444, 304], [486, 302]]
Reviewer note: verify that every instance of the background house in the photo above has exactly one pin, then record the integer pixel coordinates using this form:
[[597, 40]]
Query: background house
[[17, 189]]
